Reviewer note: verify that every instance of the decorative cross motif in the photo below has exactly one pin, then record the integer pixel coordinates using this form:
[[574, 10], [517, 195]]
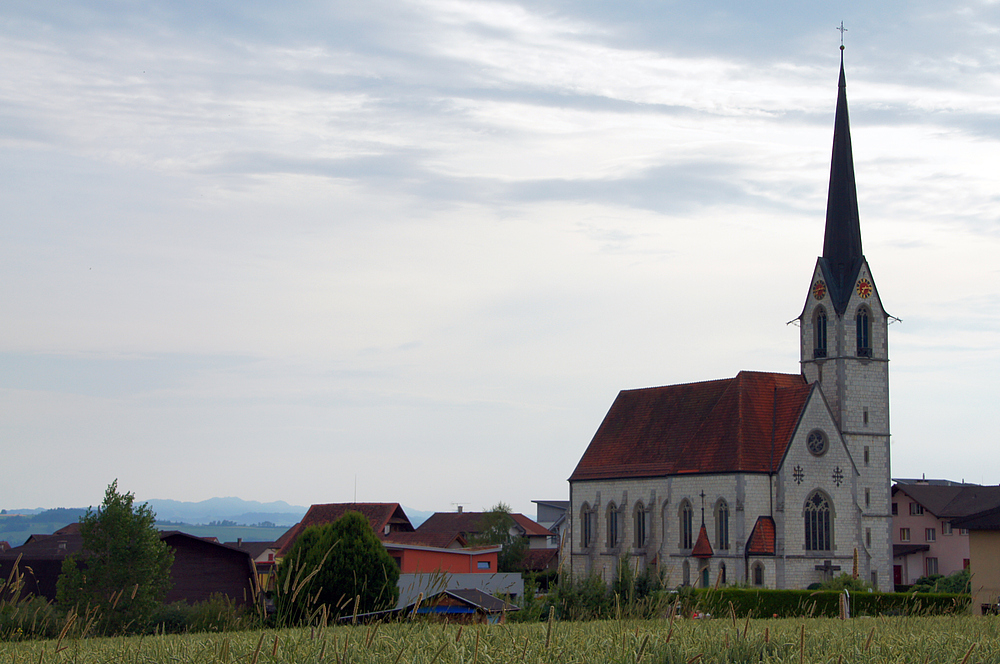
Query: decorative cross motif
[[842, 31], [828, 567], [798, 475], [838, 476]]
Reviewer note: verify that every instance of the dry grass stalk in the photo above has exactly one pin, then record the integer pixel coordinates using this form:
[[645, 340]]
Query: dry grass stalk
[[256, 652], [548, 631], [868, 643], [968, 654]]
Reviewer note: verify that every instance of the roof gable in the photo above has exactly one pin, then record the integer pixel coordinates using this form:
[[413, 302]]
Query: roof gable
[[954, 500], [740, 424], [380, 515]]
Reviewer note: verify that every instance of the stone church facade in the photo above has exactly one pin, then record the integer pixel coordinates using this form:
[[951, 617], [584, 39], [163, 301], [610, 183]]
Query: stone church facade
[[773, 480]]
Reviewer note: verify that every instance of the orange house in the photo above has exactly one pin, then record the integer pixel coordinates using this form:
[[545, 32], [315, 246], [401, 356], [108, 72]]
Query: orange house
[[417, 559]]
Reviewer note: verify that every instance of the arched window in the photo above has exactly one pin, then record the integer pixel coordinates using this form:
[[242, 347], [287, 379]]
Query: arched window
[[640, 518], [687, 520], [612, 526], [722, 524], [722, 573], [819, 333], [864, 326], [758, 574], [704, 576], [819, 523], [586, 526]]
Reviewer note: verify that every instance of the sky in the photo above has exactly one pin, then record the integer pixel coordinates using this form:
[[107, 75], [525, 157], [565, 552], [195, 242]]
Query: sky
[[410, 251]]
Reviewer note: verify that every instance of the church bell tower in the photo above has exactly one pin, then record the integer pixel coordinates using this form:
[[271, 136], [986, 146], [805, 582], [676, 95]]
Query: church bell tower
[[844, 347]]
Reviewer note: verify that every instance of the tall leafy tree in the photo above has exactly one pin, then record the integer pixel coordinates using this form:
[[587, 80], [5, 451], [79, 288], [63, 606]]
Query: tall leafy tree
[[334, 565], [497, 527], [123, 570]]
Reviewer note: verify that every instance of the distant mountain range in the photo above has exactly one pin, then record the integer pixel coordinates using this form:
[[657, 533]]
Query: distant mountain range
[[214, 510]]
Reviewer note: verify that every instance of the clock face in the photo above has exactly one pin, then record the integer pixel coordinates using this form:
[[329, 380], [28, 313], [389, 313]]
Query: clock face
[[864, 289], [819, 289]]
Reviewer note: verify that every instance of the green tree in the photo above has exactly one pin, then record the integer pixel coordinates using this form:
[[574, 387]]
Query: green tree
[[332, 565], [123, 570], [497, 528]]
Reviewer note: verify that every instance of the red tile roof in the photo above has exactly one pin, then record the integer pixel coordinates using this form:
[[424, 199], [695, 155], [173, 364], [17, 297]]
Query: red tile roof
[[470, 523], [379, 515], [702, 547], [741, 424], [761, 542], [538, 560], [436, 540]]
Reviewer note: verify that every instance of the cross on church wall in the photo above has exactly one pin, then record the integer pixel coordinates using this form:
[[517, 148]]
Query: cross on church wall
[[828, 568]]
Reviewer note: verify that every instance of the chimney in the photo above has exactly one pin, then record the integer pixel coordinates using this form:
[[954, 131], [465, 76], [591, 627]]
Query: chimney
[[459, 509], [239, 542]]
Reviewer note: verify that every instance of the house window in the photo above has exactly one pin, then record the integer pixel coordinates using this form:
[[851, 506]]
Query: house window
[[687, 519], [819, 333], [868, 497], [904, 534], [865, 418], [758, 574], [818, 523], [639, 518], [868, 537], [722, 524], [864, 333], [963, 531], [612, 526], [930, 534], [930, 566], [866, 447], [895, 509], [586, 526], [946, 527], [483, 564], [916, 509]]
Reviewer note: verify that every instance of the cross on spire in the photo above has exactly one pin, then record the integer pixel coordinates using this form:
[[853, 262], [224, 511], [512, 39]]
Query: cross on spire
[[842, 31]]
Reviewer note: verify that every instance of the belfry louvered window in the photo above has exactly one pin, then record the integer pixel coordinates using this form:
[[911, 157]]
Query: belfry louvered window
[[819, 333]]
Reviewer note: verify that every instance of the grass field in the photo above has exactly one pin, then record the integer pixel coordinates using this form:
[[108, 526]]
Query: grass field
[[962, 640]]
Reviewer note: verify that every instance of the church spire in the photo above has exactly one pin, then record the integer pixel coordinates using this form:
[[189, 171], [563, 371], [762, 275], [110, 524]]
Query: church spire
[[842, 243]]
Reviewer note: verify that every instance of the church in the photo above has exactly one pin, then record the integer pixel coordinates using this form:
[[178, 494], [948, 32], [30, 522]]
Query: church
[[766, 479]]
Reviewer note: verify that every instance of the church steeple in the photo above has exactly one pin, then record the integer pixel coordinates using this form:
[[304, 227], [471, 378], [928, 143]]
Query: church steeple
[[842, 253]]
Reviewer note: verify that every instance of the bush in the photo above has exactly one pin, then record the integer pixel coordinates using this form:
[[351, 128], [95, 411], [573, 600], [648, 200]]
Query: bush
[[335, 569], [216, 614], [796, 603], [959, 582]]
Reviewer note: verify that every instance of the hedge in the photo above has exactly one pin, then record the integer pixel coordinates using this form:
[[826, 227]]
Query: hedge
[[793, 603]]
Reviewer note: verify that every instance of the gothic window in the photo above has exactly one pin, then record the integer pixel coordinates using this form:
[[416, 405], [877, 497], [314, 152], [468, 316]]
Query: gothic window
[[819, 523], [864, 332], [722, 524], [612, 526], [722, 573], [704, 576], [758, 574], [639, 521], [687, 521], [819, 333], [586, 526]]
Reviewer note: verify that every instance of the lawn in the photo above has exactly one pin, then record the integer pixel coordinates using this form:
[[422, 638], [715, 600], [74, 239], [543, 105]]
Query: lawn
[[962, 640]]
